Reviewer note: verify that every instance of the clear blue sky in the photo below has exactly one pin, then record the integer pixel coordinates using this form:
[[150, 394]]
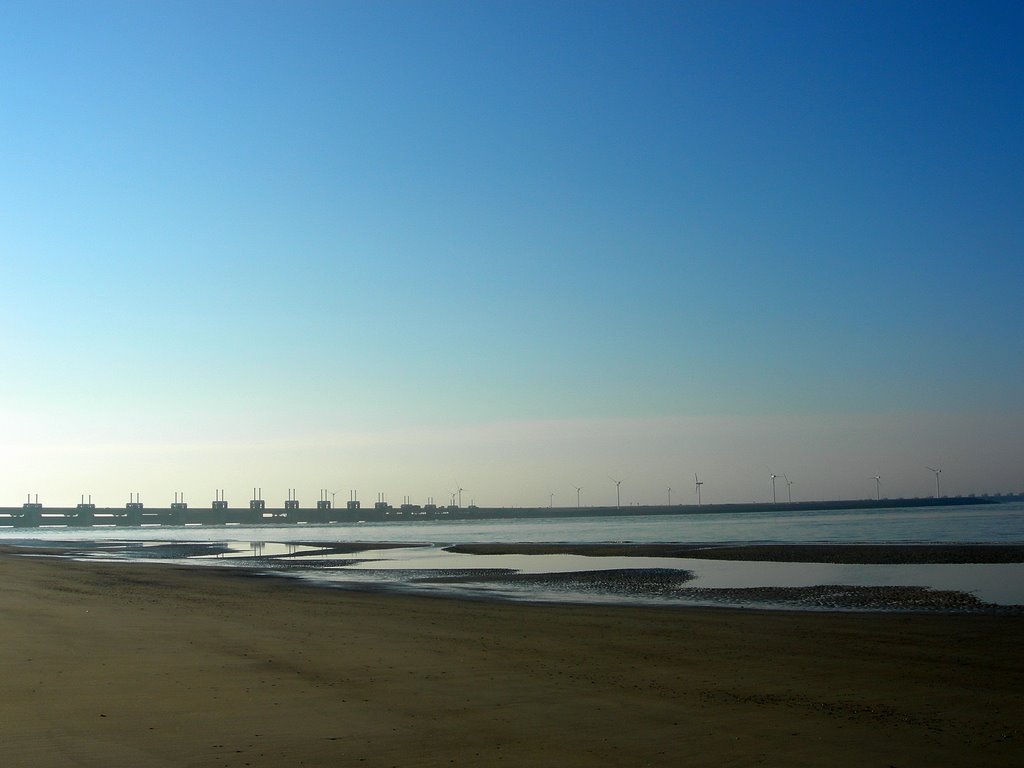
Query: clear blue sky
[[516, 246]]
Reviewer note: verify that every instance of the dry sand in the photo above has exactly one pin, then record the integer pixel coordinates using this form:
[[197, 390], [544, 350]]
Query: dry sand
[[113, 664]]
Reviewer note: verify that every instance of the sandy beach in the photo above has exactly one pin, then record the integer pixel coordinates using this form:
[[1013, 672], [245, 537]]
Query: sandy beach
[[158, 665]]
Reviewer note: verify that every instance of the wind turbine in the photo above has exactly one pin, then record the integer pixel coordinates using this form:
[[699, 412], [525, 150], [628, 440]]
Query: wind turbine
[[332, 496], [937, 473], [773, 487], [697, 483], [578, 489], [618, 500], [551, 500], [670, 495], [878, 487], [789, 487]]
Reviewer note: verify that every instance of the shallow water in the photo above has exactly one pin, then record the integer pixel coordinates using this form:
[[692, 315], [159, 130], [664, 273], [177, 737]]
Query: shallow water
[[1001, 583], [289, 549], [430, 569]]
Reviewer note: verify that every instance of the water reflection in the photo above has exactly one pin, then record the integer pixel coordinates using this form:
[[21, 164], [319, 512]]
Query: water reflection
[[429, 568], [328, 555]]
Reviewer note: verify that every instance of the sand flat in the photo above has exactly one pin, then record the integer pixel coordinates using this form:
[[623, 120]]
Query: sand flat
[[156, 665], [878, 554]]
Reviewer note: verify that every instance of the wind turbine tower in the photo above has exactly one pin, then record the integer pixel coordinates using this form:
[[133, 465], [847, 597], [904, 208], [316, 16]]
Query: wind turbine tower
[[878, 487], [937, 473], [697, 483], [773, 487], [578, 489], [789, 487], [618, 498]]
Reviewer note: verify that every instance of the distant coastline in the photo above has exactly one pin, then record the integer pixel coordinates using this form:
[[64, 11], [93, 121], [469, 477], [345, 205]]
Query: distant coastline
[[35, 515]]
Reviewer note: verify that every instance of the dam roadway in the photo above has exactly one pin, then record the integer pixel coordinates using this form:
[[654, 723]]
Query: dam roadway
[[134, 514]]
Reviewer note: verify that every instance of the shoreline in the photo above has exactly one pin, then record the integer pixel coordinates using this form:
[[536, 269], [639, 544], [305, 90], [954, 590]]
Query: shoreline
[[121, 663], [849, 554], [628, 584], [844, 554]]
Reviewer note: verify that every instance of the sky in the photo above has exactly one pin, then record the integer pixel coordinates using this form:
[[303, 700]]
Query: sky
[[513, 247]]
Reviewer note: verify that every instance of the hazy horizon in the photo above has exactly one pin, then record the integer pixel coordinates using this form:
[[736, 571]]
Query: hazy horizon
[[516, 247]]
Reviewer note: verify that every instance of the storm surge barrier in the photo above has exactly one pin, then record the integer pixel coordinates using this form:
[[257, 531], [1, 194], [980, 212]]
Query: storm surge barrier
[[135, 514]]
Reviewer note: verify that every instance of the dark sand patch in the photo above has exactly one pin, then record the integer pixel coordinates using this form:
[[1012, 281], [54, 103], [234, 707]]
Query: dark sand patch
[[672, 583], [432, 575], [851, 554], [175, 550], [634, 582], [859, 598], [283, 563]]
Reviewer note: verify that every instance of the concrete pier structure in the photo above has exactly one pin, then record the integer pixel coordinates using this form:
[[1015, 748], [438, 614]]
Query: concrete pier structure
[[353, 502], [31, 513], [85, 512], [218, 507], [132, 513], [176, 514]]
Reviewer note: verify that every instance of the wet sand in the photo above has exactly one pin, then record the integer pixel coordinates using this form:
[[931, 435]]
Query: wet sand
[[861, 554], [156, 665]]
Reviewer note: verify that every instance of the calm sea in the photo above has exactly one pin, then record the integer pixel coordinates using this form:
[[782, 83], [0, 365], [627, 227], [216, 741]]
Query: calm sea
[[984, 523]]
